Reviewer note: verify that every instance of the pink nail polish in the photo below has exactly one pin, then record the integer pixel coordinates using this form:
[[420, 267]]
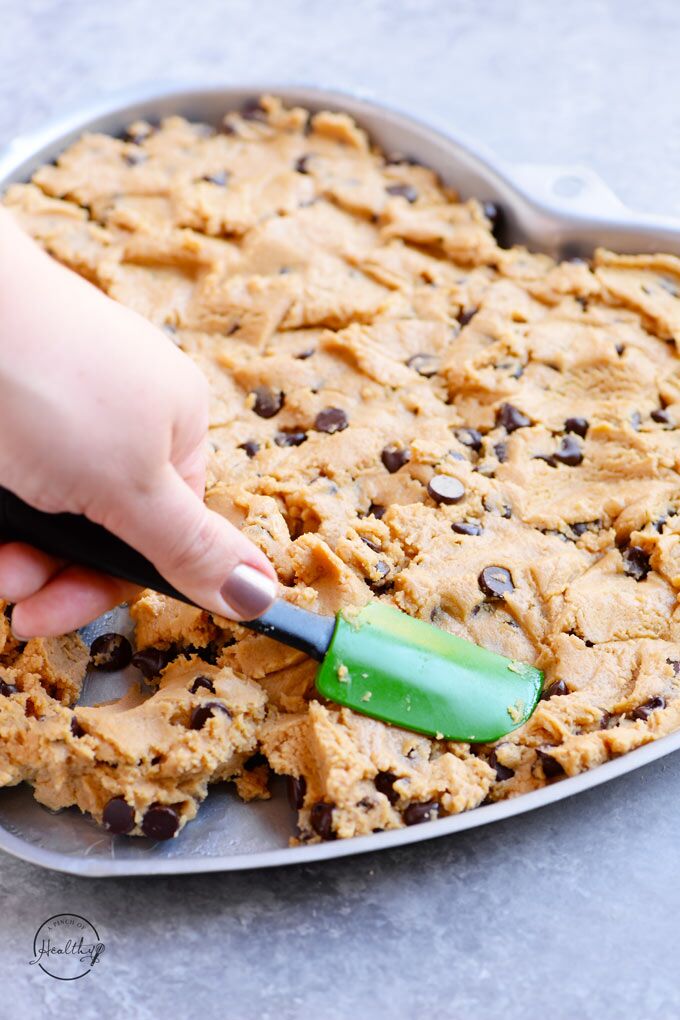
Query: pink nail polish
[[248, 591]]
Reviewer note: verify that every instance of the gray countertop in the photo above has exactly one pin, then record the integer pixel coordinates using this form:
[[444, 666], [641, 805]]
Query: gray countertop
[[568, 912]]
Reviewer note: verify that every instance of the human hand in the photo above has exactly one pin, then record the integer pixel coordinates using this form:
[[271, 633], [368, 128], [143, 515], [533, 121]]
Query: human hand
[[101, 415]]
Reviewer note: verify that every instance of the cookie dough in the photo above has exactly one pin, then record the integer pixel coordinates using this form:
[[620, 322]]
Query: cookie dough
[[371, 350]]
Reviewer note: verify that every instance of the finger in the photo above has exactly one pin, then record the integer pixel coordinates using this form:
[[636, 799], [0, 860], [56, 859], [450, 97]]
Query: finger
[[72, 598], [24, 570], [192, 470], [195, 549]]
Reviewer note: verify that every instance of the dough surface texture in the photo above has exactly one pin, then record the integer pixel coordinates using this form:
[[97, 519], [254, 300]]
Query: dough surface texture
[[364, 333]]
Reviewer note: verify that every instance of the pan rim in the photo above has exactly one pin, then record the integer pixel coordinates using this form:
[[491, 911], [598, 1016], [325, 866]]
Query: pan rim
[[28, 146]]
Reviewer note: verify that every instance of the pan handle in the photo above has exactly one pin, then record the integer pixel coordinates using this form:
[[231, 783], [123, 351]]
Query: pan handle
[[575, 190]]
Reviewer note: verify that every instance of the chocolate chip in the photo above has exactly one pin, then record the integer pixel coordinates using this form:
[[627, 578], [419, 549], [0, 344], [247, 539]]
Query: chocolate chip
[[254, 762], [302, 164], [467, 528], [76, 729], [293, 438], [636, 562], [250, 446], [7, 689], [118, 816], [137, 137], [267, 402], [668, 285], [296, 788], [569, 453], [579, 529], [330, 420], [661, 416], [578, 425], [511, 418], [644, 711], [135, 158], [377, 510], [555, 690], [406, 191], [150, 661], [380, 583], [675, 664], [636, 420], [548, 458], [501, 451], [202, 683], [394, 457], [425, 811], [384, 783], [424, 364], [371, 545], [502, 771], [321, 819], [396, 158], [619, 348], [445, 489], [160, 822], [208, 653], [495, 582], [110, 651], [303, 355], [253, 111], [202, 713], [469, 437], [551, 766], [220, 179], [467, 315]]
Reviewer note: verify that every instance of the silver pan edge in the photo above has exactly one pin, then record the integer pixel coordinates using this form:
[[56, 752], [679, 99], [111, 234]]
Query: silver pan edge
[[562, 210]]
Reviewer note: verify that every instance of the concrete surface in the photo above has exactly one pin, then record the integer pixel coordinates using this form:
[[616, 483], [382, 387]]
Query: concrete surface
[[568, 913]]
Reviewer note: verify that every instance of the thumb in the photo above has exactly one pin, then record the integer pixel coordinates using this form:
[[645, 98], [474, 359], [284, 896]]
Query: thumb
[[196, 550]]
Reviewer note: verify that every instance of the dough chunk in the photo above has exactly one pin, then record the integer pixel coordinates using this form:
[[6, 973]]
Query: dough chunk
[[363, 332]]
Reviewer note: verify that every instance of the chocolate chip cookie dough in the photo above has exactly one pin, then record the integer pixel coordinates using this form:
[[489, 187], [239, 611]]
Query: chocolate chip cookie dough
[[401, 410]]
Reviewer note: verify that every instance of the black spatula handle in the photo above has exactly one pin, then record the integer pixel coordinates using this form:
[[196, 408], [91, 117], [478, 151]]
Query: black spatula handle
[[77, 539]]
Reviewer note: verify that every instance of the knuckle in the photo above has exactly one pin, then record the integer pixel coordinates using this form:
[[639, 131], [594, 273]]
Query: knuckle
[[194, 547], [111, 516]]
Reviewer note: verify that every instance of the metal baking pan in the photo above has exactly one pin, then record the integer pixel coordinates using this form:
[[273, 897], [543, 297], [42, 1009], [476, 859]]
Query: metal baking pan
[[562, 210]]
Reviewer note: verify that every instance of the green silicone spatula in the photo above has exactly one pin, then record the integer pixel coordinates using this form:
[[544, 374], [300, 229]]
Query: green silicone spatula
[[375, 660]]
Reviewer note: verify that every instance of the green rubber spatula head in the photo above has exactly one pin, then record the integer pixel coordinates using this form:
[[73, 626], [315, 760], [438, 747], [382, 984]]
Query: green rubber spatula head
[[404, 671], [375, 660]]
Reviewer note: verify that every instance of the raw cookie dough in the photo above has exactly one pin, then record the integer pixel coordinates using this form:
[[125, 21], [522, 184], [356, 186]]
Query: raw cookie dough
[[363, 333]]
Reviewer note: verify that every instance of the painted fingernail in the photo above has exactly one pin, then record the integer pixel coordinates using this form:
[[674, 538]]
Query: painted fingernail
[[248, 591]]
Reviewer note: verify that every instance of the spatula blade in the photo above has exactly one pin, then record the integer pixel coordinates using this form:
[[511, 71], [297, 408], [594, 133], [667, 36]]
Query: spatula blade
[[403, 671]]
